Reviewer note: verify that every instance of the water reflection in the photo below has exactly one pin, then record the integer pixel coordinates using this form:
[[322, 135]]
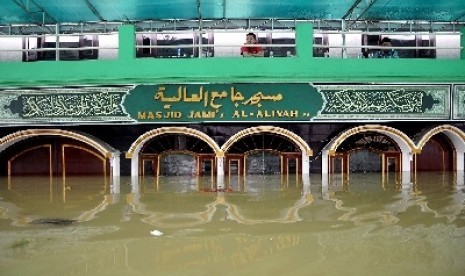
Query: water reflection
[[264, 199], [260, 225], [32, 198]]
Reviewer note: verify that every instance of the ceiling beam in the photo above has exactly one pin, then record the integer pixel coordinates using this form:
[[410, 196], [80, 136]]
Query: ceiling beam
[[211, 25], [362, 13], [199, 10], [94, 10], [26, 8], [224, 9], [358, 10], [351, 9]]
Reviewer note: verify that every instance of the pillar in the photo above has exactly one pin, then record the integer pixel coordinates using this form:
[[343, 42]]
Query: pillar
[[126, 42], [324, 161], [220, 172], [305, 163], [115, 164], [459, 160], [462, 43], [304, 40], [406, 161], [135, 165]]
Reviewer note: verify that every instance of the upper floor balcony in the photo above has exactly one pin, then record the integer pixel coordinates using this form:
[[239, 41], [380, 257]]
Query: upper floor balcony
[[185, 51]]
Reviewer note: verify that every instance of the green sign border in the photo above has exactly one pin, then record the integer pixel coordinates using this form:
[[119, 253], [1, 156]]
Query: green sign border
[[255, 102]]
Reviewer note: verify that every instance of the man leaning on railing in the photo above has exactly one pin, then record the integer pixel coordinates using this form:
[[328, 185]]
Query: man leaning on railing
[[251, 51]]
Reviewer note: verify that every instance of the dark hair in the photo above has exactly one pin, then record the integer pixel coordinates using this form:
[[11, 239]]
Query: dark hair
[[386, 39], [252, 34]]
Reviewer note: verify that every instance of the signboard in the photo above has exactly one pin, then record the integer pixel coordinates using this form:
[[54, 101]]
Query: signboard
[[81, 104], [223, 102], [236, 102], [385, 102]]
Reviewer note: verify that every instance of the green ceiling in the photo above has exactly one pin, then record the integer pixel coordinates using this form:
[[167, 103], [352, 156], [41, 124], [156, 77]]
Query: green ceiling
[[59, 11]]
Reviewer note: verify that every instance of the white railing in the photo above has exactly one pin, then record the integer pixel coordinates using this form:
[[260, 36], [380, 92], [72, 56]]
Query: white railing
[[221, 43], [58, 46]]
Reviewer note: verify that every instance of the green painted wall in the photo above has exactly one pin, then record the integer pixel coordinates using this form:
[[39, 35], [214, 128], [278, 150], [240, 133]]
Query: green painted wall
[[302, 68]]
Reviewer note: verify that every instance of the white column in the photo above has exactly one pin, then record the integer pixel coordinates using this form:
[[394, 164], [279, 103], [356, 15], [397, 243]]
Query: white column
[[220, 173], [115, 185], [406, 180], [459, 160], [115, 164], [407, 157], [325, 179], [306, 183], [305, 163], [135, 184], [135, 165], [324, 161], [219, 166]]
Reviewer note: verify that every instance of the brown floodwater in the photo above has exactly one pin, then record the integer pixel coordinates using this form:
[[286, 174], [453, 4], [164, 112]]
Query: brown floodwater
[[365, 224]]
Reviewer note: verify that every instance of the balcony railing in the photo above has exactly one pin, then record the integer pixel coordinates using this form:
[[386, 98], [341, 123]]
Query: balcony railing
[[198, 43]]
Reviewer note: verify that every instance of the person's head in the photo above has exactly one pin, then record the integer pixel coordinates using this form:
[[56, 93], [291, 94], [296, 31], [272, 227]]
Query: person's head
[[251, 38], [386, 42]]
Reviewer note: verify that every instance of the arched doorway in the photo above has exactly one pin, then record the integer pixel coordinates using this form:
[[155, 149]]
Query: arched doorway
[[293, 151], [150, 146], [53, 156], [366, 152], [176, 154], [436, 155], [398, 159], [443, 143], [263, 153]]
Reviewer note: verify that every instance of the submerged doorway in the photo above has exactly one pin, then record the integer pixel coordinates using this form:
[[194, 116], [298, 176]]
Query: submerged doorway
[[366, 152], [176, 154], [263, 153], [438, 154], [52, 155]]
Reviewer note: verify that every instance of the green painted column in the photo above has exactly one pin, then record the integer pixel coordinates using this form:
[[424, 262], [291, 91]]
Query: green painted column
[[127, 42], [462, 43], [304, 40]]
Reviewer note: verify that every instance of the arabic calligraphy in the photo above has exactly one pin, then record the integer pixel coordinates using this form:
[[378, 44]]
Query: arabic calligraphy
[[72, 105], [394, 101], [233, 102], [211, 98]]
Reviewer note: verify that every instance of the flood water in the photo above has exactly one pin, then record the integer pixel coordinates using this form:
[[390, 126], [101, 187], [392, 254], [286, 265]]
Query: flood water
[[365, 224]]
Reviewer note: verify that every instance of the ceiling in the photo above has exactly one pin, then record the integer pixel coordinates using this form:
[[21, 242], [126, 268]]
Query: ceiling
[[40, 12]]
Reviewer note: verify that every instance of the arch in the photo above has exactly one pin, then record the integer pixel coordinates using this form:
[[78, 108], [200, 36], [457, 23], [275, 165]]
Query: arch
[[103, 148], [303, 146], [149, 135], [135, 148], [454, 134], [406, 145]]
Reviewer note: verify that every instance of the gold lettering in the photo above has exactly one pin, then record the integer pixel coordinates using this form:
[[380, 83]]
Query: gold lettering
[[202, 115], [172, 115], [277, 114], [141, 116], [236, 114]]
